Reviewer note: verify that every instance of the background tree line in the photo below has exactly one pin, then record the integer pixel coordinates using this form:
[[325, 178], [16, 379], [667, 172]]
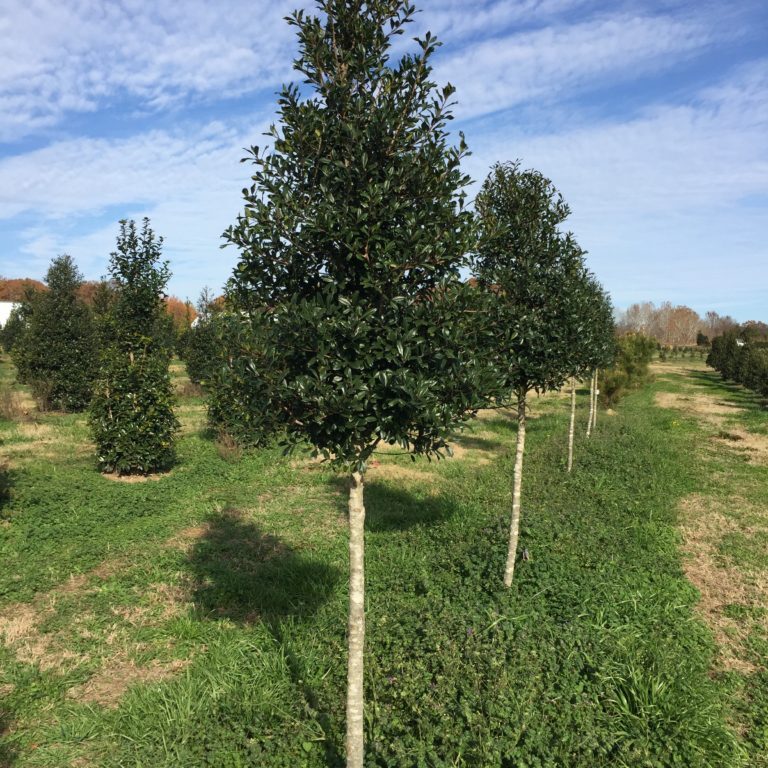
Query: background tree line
[[680, 326]]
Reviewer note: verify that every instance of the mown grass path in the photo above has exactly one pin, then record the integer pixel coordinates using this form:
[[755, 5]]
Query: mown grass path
[[198, 619]]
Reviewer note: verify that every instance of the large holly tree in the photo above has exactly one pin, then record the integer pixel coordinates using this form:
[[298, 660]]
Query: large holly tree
[[351, 241]]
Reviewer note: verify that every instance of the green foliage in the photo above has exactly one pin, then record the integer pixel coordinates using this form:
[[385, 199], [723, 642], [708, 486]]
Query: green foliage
[[550, 318], [203, 346], [634, 352], [14, 327], [131, 413], [57, 352], [740, 359], [351, 242], [595, 659]]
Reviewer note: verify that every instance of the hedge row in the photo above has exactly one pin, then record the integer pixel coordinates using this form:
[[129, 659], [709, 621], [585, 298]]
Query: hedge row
[[740, 360]]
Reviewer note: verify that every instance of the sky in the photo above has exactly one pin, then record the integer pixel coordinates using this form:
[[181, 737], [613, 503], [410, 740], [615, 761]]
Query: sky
[[651, 118]]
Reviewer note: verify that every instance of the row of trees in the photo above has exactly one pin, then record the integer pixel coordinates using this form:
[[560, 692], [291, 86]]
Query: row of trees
[[673, 326], [111, 357], [349, 326], [352, 327], [743, 358]]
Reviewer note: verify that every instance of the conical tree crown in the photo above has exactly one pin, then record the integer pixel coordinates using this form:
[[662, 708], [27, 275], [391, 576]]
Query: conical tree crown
[[351, 240]]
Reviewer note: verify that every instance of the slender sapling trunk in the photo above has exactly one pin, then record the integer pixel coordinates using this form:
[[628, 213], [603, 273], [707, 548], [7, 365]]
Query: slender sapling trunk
[[356, 626], [591, 402], [572, 426], [514, 528], [594, 410]]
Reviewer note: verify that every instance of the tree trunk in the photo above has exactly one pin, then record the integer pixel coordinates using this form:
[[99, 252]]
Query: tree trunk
[[509, 570], [591, 402], [356, 626], [573, 424], [594, 411]]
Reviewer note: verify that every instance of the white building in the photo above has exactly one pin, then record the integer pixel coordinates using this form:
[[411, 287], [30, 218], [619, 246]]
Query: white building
[[6, 307]]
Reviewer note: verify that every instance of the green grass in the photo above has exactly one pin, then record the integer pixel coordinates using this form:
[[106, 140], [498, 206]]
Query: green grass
[[595, 657]]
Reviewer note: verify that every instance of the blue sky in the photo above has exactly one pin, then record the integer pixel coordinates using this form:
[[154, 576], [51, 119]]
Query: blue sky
[[651, 118]]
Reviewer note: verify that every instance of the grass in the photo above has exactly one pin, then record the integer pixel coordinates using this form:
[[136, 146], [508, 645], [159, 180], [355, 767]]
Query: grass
[[198, 619], [729, 531]]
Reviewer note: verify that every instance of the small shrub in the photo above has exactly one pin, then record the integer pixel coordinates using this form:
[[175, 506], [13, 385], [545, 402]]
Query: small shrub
[[227, 447], [630, 371], [189, 389]]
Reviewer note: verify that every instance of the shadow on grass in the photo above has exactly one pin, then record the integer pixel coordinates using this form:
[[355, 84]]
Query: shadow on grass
[[246, 575], [7, 754], [6, 483], [711, 379], [472, 442], [394, 509]]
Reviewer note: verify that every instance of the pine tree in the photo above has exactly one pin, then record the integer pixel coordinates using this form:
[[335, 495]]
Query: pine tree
[[58, 350]]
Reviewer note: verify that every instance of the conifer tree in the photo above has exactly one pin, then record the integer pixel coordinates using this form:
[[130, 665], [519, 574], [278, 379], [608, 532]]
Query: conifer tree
[[351, 242], [58, 351], [131, 413]]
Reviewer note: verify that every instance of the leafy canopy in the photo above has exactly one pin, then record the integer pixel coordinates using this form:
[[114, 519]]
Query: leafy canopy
[[550, 316], [132, 409], [56, 352], [351, 242]]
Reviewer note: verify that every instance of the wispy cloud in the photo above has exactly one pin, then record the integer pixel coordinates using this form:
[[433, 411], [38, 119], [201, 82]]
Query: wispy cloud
[[658, 199], [60, 58], [508, 70]]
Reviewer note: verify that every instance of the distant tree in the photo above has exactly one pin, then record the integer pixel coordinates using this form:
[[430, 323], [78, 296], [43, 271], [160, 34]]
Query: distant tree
[[637, 318], [596, 348], [533, 273], [702, 340], [724, 354], [132, 410], [634, 353], [204, 343], [18, 289], [58, 351], [348, 279], [14, 328]]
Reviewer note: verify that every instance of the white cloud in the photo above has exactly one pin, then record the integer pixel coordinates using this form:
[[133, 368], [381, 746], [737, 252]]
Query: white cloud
[[504, 71], [62, 57], [189, 184], [658, 200]]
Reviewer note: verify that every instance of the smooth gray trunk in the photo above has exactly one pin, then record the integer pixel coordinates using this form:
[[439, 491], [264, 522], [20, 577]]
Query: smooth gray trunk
[[591, 403], [356, 626], [594, 410], [514, 527], [572, 426]]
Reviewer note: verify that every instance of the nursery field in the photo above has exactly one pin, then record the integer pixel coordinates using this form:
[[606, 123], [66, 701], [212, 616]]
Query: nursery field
[[198, 618]]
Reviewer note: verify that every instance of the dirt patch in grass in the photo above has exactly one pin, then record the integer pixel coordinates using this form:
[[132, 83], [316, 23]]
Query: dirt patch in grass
[[380, 470], [755, 445], [681, 368], [703, 524], [131, 479], [110, 684], [17, 623], [709, 408], [186, 537], [714, 412]]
